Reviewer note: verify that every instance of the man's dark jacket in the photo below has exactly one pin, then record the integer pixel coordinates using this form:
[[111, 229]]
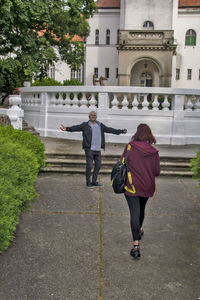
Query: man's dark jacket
[[87, 133]]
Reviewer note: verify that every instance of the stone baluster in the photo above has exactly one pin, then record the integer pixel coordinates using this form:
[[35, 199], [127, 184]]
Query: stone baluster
[[155, 103], [165, 104], [189, 104], [92, 102], [115, 102], [75, 101], [60, 100], [145, 103], [52, 99], [197, 104], [84, 101], [68, 100], [135, 103], [125, 102], [38, 100]]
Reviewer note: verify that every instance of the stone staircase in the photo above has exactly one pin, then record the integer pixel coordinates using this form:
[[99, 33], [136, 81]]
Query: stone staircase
[[75, 163], [28, 128]]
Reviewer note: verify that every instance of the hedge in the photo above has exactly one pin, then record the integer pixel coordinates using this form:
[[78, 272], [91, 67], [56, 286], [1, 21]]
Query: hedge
[[195, 166], [26, 139], [19, 167]]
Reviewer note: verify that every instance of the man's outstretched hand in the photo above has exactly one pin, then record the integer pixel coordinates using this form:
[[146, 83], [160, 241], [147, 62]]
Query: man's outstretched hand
[[124, 131], [63, 128]]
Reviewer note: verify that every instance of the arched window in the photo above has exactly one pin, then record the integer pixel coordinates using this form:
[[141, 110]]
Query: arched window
[[108, 37], [97, 37], [190, 38], [148, 25]]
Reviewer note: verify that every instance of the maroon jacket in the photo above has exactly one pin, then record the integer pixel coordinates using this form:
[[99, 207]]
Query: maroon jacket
[[144, 164]]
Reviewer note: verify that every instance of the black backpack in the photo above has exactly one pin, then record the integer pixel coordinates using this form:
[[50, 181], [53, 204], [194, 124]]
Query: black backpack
[[119, 175]]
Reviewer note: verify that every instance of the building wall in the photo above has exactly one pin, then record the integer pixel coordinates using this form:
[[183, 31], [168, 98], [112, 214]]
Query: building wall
[[188, 57], [165, 15], [102, 56], [136, 12]]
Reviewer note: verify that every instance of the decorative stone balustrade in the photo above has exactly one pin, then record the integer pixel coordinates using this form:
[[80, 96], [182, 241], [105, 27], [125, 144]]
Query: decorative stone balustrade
[[173, 114], [15, 113]]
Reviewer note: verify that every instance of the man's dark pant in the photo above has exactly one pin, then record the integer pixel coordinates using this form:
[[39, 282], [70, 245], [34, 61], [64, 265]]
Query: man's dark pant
[[136, 206], [90, 157]]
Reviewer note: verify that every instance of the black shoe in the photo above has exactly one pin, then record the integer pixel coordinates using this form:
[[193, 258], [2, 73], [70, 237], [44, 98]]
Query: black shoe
[[97, 184], [135, 251], [90, 185]]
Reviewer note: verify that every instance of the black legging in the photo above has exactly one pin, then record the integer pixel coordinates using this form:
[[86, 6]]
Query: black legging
[[136, 206]]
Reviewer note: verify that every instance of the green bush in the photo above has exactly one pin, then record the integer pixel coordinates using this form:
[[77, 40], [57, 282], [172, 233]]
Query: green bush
[[72, 82], [195, 166], [18, 172], [26, 139], [46, 82]]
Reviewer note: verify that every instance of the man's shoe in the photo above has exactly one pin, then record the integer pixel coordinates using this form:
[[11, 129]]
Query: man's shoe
[[96, 184], [90, 185]]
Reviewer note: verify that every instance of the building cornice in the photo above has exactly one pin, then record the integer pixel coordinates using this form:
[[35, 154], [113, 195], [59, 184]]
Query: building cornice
[[146, 48], [189, 10]]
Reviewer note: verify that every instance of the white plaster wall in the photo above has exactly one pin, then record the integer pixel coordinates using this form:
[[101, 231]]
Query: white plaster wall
[[102, 56], [188, 57], [104, 20], [138, 11]]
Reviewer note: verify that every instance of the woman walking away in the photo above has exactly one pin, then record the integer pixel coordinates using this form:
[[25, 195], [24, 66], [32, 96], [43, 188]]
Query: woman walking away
[[144, 165]]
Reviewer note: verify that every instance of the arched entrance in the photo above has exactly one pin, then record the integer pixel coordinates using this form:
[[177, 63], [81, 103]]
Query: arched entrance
[[145, 73]]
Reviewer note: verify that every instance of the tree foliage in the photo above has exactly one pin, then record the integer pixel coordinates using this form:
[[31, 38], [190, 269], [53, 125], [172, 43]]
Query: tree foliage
[[35, 33]]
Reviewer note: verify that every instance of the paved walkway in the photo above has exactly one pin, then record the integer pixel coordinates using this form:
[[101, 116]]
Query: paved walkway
[[75, 242]]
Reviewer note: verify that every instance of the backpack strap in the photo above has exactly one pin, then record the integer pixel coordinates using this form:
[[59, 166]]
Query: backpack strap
[[125, 160]]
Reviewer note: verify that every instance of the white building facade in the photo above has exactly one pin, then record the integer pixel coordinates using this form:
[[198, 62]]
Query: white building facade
[[141, 43]]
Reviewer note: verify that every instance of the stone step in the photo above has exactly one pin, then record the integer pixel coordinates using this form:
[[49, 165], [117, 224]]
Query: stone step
[[56, 162], [78, 170], [111, 157], [75, 163]]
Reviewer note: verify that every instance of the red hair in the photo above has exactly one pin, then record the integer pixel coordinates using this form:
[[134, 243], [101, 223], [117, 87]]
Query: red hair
[[144, 133]]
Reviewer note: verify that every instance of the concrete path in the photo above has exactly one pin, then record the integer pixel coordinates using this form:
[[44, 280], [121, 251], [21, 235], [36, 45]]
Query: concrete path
[[74, 244]]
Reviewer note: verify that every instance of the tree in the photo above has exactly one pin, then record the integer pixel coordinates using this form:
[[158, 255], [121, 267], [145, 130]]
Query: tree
[[35, 33]]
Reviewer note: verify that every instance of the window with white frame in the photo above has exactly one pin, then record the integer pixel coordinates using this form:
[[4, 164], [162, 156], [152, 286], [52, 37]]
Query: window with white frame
[[97, 37], [189, 74], [51, 71], [148, 25], [108, 37], [177, 74]]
